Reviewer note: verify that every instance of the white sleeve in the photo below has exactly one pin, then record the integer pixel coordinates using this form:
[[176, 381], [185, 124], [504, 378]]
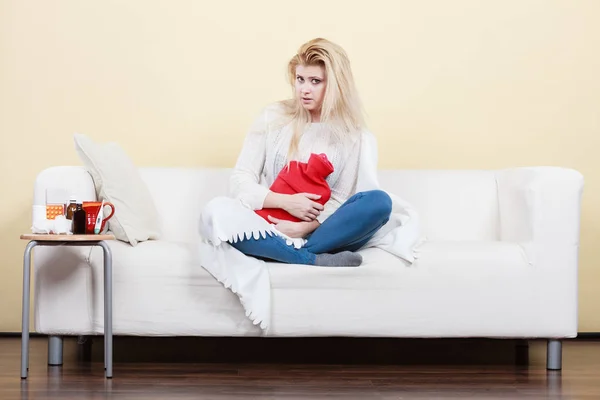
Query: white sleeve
[[244, 181]]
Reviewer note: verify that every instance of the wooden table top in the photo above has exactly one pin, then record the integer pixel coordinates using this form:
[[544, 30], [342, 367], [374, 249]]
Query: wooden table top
[[66, 238]]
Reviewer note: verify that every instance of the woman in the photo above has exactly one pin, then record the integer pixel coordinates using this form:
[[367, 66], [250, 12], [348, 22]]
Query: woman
[[323, 117]]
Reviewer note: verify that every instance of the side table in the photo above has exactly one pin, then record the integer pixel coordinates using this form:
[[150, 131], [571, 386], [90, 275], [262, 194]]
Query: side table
[[67, 240]]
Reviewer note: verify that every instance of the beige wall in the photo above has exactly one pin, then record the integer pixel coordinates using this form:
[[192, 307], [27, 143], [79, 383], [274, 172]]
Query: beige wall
[[447, 84]]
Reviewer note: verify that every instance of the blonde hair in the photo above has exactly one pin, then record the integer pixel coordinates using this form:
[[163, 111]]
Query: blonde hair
[[341, 109]]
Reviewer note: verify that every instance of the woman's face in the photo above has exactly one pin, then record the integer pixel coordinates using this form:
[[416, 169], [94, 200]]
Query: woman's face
[[310, 88]]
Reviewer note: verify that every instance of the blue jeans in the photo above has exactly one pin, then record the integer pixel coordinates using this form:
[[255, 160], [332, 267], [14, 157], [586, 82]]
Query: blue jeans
[[348, 229]]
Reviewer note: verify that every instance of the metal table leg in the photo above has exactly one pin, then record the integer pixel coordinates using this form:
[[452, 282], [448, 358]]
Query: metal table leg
[[108, 340], [25, 309]]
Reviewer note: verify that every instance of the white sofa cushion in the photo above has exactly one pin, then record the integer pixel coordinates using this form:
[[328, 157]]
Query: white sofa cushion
[[452, 205], [455, 262], [455, 289], [180, 194], [159, 289], [118, 180]]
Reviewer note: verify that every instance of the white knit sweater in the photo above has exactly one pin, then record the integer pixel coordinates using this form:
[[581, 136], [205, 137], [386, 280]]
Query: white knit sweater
[[264, 154]]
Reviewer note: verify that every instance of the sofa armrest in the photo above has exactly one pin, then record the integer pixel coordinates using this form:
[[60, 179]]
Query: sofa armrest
[[540, 208], [76, 181]]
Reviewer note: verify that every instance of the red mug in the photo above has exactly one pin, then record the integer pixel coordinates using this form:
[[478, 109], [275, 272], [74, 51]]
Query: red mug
[[91, 213]]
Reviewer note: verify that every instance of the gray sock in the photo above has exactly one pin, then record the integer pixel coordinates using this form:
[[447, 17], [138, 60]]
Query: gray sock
[[342, 259]]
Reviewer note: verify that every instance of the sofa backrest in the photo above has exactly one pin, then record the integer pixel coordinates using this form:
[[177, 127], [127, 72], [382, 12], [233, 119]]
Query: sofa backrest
[[180, 194], [453, 205]]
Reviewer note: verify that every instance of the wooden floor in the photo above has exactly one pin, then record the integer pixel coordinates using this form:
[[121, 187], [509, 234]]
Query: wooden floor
[[77, 379]]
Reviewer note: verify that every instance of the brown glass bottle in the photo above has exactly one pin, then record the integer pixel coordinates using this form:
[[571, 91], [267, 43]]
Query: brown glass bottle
[[71, 209], [79, 220]]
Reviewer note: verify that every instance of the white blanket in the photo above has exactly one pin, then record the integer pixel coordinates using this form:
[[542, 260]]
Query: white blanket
[[226, 220]]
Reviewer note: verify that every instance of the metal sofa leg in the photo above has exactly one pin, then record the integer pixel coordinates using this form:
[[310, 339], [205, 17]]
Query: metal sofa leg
[[554, 354], [55, 350]]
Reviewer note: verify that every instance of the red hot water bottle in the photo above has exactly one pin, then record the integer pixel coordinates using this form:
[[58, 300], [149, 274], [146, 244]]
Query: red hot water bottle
[[301, 177]]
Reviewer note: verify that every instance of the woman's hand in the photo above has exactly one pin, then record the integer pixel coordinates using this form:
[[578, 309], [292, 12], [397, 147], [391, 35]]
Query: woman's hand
[[302, 206], [294, 229]]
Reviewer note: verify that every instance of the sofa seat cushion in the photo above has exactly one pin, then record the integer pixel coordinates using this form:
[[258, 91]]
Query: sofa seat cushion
[[455, 289], [159, 289], [443, 262]]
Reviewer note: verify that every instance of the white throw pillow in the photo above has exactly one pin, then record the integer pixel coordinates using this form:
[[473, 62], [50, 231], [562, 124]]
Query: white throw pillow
[[117, 180]]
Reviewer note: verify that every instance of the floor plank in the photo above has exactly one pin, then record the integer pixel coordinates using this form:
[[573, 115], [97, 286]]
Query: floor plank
[[77, 379]]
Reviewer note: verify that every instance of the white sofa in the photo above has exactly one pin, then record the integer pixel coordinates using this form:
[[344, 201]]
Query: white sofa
[[500, 261]]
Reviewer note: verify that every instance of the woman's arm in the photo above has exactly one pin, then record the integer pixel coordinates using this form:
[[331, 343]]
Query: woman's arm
[[343, 189], [300, 205], [274, 200]]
